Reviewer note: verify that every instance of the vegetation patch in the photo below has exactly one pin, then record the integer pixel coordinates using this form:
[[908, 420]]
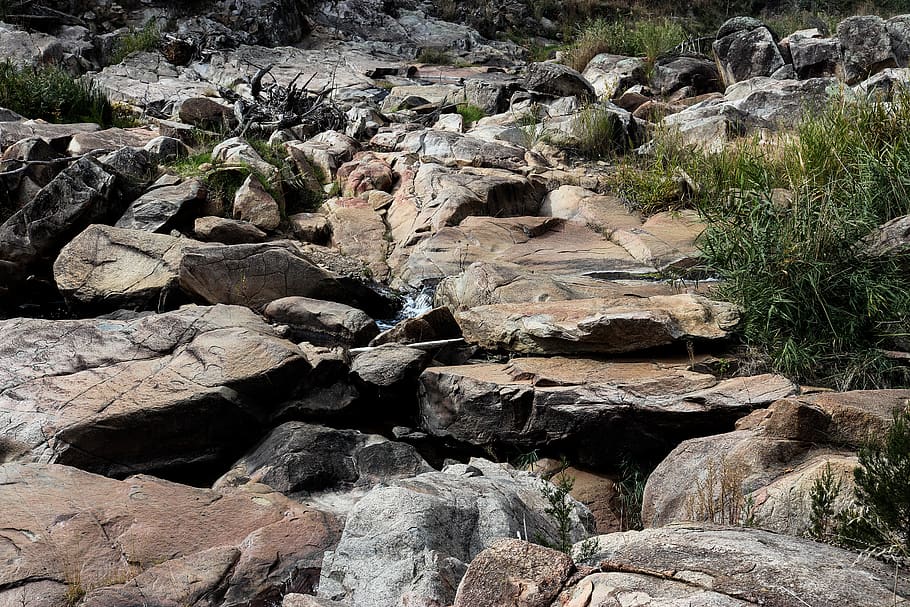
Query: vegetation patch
[[52, 94], [470, 113], [145, 39], [648, 38]]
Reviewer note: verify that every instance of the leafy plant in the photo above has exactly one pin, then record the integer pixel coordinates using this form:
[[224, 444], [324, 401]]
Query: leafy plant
[[560, 510], [51, 93], [822, 495], [470, 113]]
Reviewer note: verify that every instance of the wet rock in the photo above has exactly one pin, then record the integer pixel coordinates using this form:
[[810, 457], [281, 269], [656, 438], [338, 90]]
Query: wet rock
[[164, 205], [322, 322], [435, 324], [595, 412], [143, 540], [410, 542]]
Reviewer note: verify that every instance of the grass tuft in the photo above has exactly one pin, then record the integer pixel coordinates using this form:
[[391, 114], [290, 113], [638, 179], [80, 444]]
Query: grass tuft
[[145, 39], [53, 94], [648, 38]]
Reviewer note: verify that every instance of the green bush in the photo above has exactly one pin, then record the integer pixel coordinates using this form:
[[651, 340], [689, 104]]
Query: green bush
[[470, 113], [145, 39], [880, 522], [53, 94], [599, 133]]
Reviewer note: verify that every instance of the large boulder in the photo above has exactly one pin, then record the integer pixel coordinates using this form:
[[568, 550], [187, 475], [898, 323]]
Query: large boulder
[[81, 194], [814, 55], [609, 326], [491, 92], [454, 150], [697, 565], [322, 322], [72, 536], [360, 232], [409, 543], [557, 80], [156, 392], [254, 275], [162, 206], [109, 268], [865, 47], [316, 464], [764, 470], [698, 75], [745, 48], [612, 75], [595, 412]]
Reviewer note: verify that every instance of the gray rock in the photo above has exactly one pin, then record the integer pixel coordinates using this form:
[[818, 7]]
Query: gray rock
[[597, 412], [389, 365], [163, 206], [692, 564], [491, 92], [454, 149], [254, 204], [899, 31], [166, 149], [32, 237], [892, 238], [153, 393], [676, 72], [813, 55], [738, 24], [227, 231], [410, 543], [109, 268], [611, 75], [746, 53], [865, 47], [57, 135], [884, 85], [557, 80], [322, 322]]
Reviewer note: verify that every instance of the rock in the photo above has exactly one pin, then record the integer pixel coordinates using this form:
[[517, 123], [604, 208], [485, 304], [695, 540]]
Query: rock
[[538, 244], [322, 322], [57, 135], [32, 237], [235, 152], [607, 213], [164, 205], [360, 232], [487, 283], [491, 92], [885, 85], [24, 48], [316, 464], [254, 204], [327, 152], [110, 268], [711, 126], [207, 114], [455, 149], [865, 47], [227, 231], [147, 541], [781, 104], [365, 173], [594, 412], [557, 80], [108, 140], [575, 128], [389, 365], [612, 75], [513, 572], [680, 71], [892, 238], [597, 325], [813, 55], [151, 393], [166, 149], [766, 467], [310, 227], [409, 543], [148, 80], [255, 275], [435, 324], [135, 170], [746, 53], [452, 123], [693, 564], [666, 240], [899, 31]]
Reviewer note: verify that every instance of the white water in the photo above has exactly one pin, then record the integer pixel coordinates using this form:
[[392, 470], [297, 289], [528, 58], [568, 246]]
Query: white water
[[415, 304]]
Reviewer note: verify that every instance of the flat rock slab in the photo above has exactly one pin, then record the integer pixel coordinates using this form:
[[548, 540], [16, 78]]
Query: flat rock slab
[[58, 135], [597, 411], [716, 567], [153, 393], [539, 244], [160, 206], [147, 541], [609, 326]]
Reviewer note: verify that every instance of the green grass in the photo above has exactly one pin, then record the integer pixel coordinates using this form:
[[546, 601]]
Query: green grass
[[470, 113], [815, 307], [647, 38], [145, 39], [598, 133], [52, 94]]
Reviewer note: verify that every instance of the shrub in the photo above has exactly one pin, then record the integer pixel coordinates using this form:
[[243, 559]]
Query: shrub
[[470, 113], [599, 133], [648, 38], [719, 497], [51, 93], [145, 39], [880, 522], [822, 495]]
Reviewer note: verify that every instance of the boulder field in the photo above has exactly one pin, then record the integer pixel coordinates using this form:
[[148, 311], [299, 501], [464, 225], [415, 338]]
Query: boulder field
[[340, 318]]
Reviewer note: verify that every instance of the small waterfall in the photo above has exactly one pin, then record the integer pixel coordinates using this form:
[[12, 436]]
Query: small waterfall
[[415, 304]]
